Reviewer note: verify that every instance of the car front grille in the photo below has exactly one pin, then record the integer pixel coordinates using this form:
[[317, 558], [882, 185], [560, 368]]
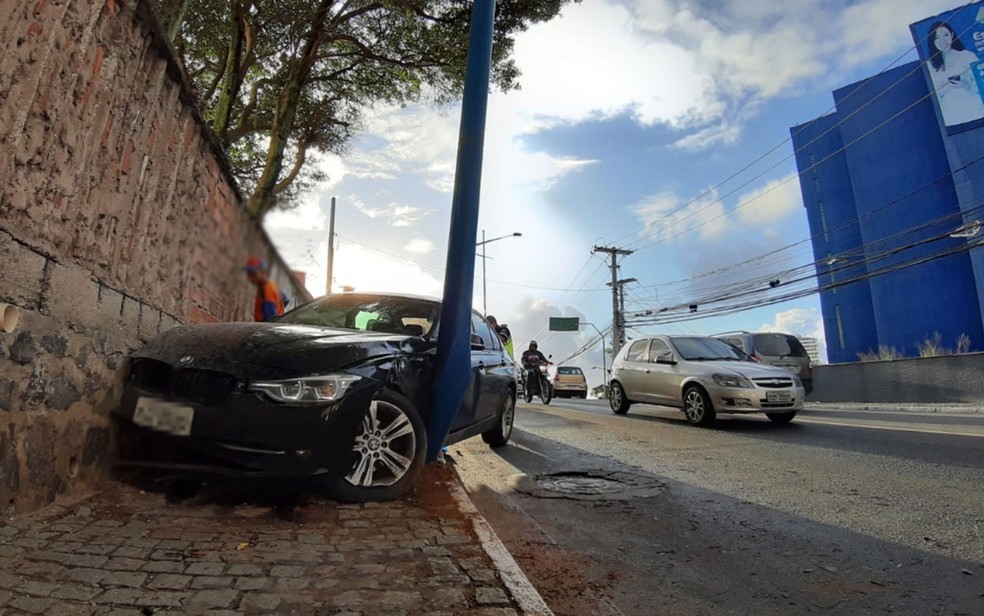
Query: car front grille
[[774, 383], [193, 384]]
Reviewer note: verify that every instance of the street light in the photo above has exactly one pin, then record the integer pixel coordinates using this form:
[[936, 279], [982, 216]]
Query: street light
[[485, 292]]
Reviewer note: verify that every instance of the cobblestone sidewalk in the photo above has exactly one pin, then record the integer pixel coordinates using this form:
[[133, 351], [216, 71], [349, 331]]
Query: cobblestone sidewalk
[[128, 552]]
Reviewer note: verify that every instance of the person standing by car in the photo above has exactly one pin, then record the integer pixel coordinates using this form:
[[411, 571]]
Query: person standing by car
[[504, 334], [270, 301]]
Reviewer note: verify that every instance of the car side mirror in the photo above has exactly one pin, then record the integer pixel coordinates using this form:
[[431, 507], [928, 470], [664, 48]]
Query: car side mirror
[[477, 344], [666, 359]]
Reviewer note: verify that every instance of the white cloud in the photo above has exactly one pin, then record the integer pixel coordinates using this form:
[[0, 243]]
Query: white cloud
[[368, 270], [877, 28], [772, 203], [306, 215], [665, 215], [594, 62], [800, 322], [394, 214], [420, 246]]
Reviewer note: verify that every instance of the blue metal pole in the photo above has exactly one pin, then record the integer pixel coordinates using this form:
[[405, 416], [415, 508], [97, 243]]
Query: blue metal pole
[[453, 370]]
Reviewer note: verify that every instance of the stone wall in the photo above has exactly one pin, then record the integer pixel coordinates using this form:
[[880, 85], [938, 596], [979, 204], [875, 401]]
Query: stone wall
[[118, 219]]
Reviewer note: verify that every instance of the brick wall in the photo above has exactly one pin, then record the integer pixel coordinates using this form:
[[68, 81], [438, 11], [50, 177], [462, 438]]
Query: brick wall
[[118, 219]]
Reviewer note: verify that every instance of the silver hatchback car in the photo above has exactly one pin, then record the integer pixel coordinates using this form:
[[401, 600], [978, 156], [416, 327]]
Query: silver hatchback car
[[703, 377]]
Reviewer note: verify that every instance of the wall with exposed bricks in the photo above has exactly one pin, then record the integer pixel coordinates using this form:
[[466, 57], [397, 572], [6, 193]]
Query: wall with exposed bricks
[[118, 219]]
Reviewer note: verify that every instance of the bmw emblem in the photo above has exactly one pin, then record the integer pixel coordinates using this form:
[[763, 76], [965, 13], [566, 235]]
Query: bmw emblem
[[184, 361]]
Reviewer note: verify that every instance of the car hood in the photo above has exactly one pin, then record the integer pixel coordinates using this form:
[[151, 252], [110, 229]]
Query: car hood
[[270, 350], [747, 369]]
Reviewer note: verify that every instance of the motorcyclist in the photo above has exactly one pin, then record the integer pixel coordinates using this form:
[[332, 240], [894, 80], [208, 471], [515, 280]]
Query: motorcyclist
[[532, 357]]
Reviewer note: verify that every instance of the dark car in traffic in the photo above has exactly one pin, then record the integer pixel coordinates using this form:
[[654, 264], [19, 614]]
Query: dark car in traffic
[[338, 389]]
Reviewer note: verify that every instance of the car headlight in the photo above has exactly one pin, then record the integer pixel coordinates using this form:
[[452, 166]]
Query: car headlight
[[727, 380], [306, 390], [797, 381]]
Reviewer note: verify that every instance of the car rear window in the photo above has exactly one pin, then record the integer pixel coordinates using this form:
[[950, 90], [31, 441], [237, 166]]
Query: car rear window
[[778, 345], [566, 370]]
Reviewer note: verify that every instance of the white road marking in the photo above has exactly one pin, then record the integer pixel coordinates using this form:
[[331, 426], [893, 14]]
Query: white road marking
[[825, 422]]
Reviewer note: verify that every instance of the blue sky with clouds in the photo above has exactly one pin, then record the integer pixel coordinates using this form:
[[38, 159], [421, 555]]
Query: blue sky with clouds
[[630, 114]]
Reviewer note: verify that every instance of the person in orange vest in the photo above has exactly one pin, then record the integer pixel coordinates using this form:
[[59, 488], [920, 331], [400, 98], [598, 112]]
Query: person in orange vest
[[270, 301]]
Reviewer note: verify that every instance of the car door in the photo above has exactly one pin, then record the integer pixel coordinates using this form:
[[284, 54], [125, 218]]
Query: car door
[[633, 373], [470, 410], [490, 369], [663, 379]]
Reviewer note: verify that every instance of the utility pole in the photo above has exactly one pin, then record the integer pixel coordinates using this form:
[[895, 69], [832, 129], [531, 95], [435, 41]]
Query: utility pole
[[618, 323], [620, 286], [331, 246]]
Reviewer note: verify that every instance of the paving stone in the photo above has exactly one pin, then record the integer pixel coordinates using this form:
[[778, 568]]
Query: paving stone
[[252, 583], [179, 545], [163, 598], [37, 589], [205, 599], [292, 584], [242, 570], [98, 549], [435, 551], [205, 568], [124, 564], [164, 566], [260, 601], [76, 592], [31, 605], [43, 570], [169, 581], [449, 597], [482, 576], [10, 551], [311, 538], [211, 581], [84, 560], [131, 551], [70, 609], [128, 579], [8, 531], [287, 571], [399, 599], [87, 576], [491, 596], [119, 596]]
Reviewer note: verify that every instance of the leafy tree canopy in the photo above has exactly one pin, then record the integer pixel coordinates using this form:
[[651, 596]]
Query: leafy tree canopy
[[282, 80]]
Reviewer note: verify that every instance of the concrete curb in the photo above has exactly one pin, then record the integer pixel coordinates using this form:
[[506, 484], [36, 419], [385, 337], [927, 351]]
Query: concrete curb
[[526, 595], [952, 409]]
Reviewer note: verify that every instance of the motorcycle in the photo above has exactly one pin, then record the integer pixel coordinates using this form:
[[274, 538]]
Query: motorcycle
[[536, 380]]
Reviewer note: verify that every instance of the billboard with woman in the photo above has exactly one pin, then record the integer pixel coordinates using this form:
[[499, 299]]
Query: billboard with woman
[[952, 46]]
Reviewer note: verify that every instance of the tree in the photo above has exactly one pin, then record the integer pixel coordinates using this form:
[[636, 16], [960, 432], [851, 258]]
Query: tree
[[280, 80]]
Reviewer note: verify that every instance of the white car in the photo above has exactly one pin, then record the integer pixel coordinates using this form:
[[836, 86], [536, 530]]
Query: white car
[[703, 377]]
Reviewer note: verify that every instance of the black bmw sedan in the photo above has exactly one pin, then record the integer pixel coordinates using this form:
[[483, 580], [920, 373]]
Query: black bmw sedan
[[338, 389]]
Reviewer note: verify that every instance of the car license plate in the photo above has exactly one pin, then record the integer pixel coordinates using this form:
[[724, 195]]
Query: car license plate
[[778, 396], [164, 416]]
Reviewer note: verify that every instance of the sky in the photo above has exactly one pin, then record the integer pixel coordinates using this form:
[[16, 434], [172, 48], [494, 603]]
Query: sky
[[660, 126]]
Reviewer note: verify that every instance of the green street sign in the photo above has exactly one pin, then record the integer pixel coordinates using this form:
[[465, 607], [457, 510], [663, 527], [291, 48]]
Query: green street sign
[[565, 324]]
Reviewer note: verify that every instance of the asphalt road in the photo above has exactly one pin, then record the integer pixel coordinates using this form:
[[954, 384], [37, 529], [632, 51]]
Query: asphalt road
[[841, 512]]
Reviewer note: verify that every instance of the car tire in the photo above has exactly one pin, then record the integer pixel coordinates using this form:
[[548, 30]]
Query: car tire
[[780, 419], [617, 399], [500, 434], [389, 413], [697, 406]]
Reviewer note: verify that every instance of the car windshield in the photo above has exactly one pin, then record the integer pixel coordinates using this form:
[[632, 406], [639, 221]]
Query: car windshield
[[569, 371], [705, 349], [779, 345], [374, 313]]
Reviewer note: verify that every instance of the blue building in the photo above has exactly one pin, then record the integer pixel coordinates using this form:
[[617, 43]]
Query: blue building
[[885, 182]]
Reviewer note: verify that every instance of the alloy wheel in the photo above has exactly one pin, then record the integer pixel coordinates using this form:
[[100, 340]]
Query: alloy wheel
[[385, 447], [694, 406], [508, 416], [615, 397]]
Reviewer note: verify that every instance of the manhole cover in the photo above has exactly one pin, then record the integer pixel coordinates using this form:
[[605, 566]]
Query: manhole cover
[[576, 483], [589, 485]]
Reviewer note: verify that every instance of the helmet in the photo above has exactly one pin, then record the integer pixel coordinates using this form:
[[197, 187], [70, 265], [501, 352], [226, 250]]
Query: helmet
[[533, 344]]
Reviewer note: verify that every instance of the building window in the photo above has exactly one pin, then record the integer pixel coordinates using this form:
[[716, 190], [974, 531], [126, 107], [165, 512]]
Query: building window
[[830, 272], [823, 221], [840, 325]]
